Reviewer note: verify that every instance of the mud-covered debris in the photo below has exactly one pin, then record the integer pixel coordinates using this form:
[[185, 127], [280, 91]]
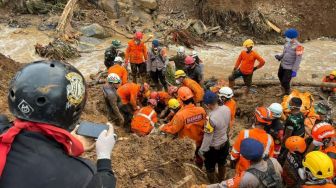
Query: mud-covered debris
[[57, 50]]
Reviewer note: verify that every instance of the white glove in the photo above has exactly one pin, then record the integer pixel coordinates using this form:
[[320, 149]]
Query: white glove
[[105, 143]]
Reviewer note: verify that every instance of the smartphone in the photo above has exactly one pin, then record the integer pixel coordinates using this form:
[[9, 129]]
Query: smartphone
[[90, 129]]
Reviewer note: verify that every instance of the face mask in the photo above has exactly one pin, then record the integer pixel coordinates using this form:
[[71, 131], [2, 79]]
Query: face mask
[[178, 82], [288, 39]]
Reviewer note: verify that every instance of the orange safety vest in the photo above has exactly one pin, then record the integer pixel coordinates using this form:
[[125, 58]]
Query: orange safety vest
[[144, 121], [257, 134], [136, 53], [331, 152], [164, 97], [195, 88], [188, 122], [120, 71]]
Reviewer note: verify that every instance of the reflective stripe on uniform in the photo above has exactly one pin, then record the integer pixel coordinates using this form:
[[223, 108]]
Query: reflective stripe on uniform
[[246, 133], [268, 146], [148, 117]]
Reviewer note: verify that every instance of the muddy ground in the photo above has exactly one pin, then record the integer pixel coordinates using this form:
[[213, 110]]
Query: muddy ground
[[158, 160]]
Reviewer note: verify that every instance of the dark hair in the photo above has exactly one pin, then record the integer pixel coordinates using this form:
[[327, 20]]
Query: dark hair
[[189, 101], [295, 101]]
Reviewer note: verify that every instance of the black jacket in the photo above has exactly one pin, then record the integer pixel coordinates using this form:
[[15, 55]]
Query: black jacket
[[36, 161]]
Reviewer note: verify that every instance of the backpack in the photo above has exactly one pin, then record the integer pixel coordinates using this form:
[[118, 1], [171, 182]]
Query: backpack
[[268, 179]]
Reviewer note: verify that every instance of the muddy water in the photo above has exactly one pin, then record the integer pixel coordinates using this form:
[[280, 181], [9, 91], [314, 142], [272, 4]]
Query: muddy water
[[319, 57]]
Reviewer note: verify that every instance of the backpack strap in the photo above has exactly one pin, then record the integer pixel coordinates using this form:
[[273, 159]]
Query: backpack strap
[[268, 178]]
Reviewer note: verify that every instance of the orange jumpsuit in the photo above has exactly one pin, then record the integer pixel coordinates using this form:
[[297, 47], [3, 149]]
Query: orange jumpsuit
[[257, 134], [195, 88], [120, 71], [233, 108], [245, 62], [136, 53], [188, 122], [143, 121], [328, 185], [128, 93]]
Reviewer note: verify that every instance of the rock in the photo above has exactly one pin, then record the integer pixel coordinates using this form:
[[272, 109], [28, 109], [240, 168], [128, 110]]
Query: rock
[[49, 24], [86, 43], [150, 4], [94, 30], [109, 6], [219, 34], [314, 75]]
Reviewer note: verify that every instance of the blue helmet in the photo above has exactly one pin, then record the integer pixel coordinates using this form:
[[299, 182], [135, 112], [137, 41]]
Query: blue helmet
[[210, 97], [251, 149], [291, 33], [155, 43]]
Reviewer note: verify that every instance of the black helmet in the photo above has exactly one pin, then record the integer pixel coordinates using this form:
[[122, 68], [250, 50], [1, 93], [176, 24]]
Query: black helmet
[[48, 92]]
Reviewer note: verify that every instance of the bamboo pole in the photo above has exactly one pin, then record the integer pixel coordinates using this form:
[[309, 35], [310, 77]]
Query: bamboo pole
[[66, 16]]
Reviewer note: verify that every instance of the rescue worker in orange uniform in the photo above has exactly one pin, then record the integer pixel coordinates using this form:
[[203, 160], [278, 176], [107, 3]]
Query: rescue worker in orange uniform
[[181, 78], [188, 122], [145, 119], [244, 66], [162, 99], [295, 150], [119, 70], [317, 171], [226, 94], [324, 135], [262, 173], [330, 79], [263, 117], [136, 54], [131, 95]]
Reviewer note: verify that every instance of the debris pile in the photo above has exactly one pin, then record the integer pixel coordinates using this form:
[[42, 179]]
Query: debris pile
[[57, 50], [154, 161]]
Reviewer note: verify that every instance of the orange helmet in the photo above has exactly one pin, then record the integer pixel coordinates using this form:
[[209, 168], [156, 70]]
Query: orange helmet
[[154, 95], [323, 130], [184, 93], [263, 115], [172, 90], [296, 143]]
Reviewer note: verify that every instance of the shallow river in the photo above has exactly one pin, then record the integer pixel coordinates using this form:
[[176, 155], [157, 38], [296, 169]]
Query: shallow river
[[319, 56]]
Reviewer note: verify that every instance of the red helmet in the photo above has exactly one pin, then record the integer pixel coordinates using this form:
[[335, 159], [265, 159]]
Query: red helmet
[[154, 95], [263, 115], [138, 35], [323, 130], [189, 60], [172, 90]]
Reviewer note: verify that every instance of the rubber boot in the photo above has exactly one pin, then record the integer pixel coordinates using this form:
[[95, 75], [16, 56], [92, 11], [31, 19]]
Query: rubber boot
[[211, 177], [221, 173]]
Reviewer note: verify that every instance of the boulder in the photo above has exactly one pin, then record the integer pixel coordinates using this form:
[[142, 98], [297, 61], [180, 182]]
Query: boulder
[[94, 30], [110, 7], [86, 43], [149, 4]]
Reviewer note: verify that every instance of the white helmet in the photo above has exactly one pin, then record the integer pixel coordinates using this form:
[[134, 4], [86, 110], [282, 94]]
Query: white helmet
[[113, 78], [194, 53], [276, 109], [118, 59], [181, 50], [225, 92]]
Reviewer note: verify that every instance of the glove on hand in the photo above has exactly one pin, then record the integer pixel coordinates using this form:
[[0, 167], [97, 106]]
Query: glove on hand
[[293, 74], [105, 143]]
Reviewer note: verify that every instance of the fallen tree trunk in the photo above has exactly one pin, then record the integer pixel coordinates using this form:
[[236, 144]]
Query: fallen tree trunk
[[66, 17], [295, 83]]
